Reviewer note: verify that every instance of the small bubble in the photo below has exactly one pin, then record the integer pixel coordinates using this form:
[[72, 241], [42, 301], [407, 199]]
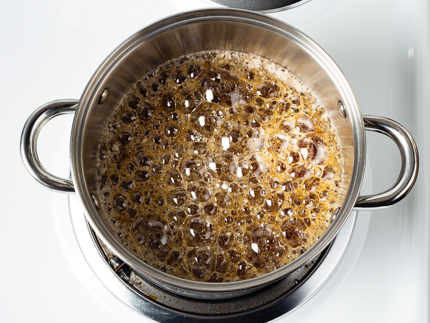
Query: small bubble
[[128, 117], [171, 131], [125, 138], [134, 102], [141, 176]]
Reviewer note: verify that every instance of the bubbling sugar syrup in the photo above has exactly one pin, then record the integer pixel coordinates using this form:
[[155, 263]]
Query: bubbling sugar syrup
[[219, 166]]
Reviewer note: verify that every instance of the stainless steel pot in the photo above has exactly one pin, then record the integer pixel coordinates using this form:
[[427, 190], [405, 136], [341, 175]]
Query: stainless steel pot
[[207, 30]]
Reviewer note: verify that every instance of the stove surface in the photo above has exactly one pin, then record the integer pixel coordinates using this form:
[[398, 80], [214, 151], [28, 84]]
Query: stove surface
[[50, 50]]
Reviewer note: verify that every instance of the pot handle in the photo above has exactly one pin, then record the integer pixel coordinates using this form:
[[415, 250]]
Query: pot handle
[[28, 144], [410, 163]]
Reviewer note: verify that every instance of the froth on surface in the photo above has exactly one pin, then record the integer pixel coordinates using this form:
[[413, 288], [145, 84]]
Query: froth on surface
[[219, 166]]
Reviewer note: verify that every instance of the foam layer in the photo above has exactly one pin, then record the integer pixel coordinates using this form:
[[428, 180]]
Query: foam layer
[[219, 166]]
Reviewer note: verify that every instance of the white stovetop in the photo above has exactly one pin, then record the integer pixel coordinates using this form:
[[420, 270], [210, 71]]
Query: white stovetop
[[49, 50]]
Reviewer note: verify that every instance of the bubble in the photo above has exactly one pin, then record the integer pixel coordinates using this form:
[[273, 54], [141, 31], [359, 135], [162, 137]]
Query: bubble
[[206, 118], [189, 98], [180, 77], [252, 123], [253, 165], [137, 197], [286, 126], [174, 178], [164, 76], [225, 239], [280, 167], [178, 215], [156, 169], [131, 213], [249, 109], [103, 179], [234, 188], [241, 270], [163, 253], [127, 185], [286, 212], [114, 179], [198, 271], [156, 139], [300, 171], [168, 102], [274, 183], [250, 75], [177, 197], [265, 114], [204, 257], [258, 263], [283, 108], [274, 201], [125, 138], [210, 209], [199, 193], [179, 152], [143, 91], [142, 159], [155, 86], [174, 258], [171, 130], [130, 168], [235, 136], [268, 89], [193, 209], [222, 166], [119, 202], [215, 278], [327, 173], [295, 100], [141, 176], [237, 98], [256, 195], [192, 169], [312, 149], [128, 117], [199, 232], [221, 264], [134, 102], [312, 184], [209, 79], [223, 199], [199, 148], [146, 112], [278, 144], [306, 124], [194, 70], [255, 141], [294, 157], [293, 237], [138, 147]]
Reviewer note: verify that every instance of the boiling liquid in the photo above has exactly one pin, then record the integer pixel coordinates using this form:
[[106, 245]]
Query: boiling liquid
[[219, 166]]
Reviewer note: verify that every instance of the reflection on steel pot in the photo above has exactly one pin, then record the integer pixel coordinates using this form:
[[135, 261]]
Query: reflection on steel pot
[[221, 30]]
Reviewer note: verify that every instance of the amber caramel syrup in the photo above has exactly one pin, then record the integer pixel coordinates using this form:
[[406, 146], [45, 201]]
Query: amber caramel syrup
[[219, 166]]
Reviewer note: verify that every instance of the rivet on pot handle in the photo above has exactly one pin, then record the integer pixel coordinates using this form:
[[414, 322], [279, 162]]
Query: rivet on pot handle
[[410, 162], [28, 145]]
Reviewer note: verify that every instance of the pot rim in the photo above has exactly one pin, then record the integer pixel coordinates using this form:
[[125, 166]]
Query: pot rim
[[92, 92]]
